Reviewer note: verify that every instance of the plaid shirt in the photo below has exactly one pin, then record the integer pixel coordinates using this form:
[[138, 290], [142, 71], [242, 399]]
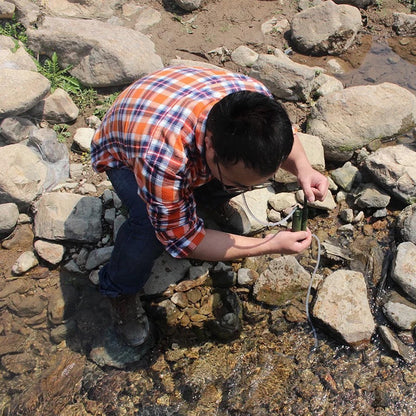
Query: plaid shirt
[[156, 127]]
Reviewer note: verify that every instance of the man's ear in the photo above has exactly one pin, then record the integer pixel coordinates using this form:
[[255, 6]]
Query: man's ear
[[209, 148]]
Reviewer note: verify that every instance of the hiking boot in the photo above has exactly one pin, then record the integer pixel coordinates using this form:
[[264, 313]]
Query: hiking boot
[[131, 319], [232, 218]]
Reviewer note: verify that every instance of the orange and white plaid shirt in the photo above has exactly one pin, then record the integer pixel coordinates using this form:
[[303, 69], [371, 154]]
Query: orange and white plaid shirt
[[156, 128]]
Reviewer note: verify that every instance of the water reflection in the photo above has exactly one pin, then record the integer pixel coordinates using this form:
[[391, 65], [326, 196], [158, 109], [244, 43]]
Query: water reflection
[[382, 64]]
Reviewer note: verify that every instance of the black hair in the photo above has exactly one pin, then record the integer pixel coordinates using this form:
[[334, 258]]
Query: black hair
[[251, 127]]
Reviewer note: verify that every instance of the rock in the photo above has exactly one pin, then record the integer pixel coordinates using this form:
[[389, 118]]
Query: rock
[[404, 24], [188, 5], [406, 224], [21, 238], [395, 345], [13, 55], [98, 257], [104, 55], [166, 271], [345, 176], [51, 252], [56, 108], [25, 262], [83, 138], [68, 217], [275, 25], [404, 268], [222, 275], [26, 305], [357, 3], [393, 111], [372, 197], [289, 80], [394, 169], [15, 129], [62, 303], [314, 152], [82, 9], [342, 306], [246, 277], [244, 56], [400, 312], [27, 12], [9, 214], [21, 90], [145, 17], [6, 10], [328, 204], [283, 280], [19, 363], [282, 201], [22, 175], [325, 28], [12, 344]]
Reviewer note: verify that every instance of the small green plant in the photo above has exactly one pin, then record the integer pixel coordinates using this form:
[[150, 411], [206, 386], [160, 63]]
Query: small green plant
[[85, 98], [59, 77], [14, 30], [104, 104], [62, 132]]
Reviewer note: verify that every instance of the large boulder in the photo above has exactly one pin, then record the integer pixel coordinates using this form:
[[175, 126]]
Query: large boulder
[[350, 119], [20, 90], [325, 29], [100, 54]]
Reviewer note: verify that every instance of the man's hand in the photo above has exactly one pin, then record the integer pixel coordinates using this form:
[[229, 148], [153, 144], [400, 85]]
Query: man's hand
[[289, 242], [314, 184]]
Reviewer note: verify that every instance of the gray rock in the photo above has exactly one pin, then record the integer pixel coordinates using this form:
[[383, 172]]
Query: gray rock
[[404, 268], [83, 9], [15, 129], [372, 197], [27, 12], [395, 345], [9, 214], [275, 25], [246, 277], [325, 28], [357, 3], [344, 123], [284, 279], [56, 108], [394, 169], [98, 257], [282, 200], [51, 252], [62, 302], [6, 10], [25, 262], [328, 204], [71, 217], [244, 56], [406, 224], [347, 215], [404, 24], [188, 5], [400, 312], [83, 138], [145, 17], [21, 90], [22, 175], [342, 306], [289, 80], [13, 55], [100, 54], [166, 271]]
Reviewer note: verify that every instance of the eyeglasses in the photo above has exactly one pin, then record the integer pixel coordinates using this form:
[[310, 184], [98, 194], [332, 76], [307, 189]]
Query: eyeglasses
[[235, 190]]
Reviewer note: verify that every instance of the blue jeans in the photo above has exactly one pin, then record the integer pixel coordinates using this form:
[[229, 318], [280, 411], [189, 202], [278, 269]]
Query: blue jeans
[[136, 246]]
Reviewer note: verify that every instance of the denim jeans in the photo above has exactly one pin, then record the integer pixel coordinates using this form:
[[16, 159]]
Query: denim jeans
[[136, 246]]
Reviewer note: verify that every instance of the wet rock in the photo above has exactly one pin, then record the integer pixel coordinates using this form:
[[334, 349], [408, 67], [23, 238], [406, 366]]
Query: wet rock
[[21, 89], [404, 268], [394, 169], [400, 312], [22, 175], [406, 224], [345, 176], [342, 306], [289, 80], [25, 262], [111, 351], [395, 345], [12, 344], [50, 252], [19, 363], [56, 108], [63, 332], [9, 214], [64, 216], [62, 303], [26, 306], [325, 28], [283, 280], [359, 127], [107, 55], [404, 24]]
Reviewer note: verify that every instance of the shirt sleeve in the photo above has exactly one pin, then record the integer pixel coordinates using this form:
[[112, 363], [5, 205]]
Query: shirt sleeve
[[170, 204]]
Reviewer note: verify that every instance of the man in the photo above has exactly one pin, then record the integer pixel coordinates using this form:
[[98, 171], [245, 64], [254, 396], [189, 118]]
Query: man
[[176, 134]]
